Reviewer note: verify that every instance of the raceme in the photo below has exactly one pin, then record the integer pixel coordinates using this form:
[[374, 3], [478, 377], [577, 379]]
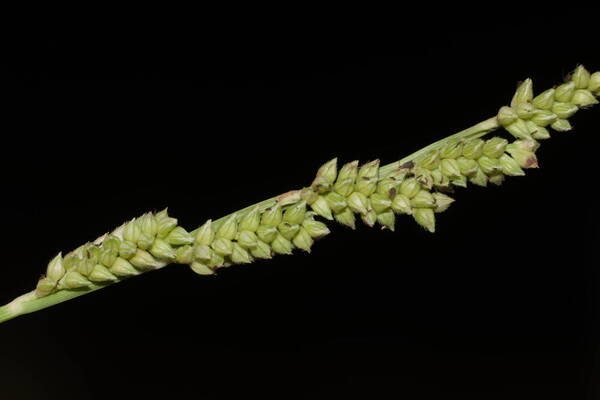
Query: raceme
[[416, 186]]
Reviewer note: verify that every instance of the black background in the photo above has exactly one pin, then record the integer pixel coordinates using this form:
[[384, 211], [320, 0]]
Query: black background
[[206, 117]]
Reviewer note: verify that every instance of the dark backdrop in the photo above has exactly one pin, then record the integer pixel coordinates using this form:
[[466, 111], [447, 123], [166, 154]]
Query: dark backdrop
[[207, 117]]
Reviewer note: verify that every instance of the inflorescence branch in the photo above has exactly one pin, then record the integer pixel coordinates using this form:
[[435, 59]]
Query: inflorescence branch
[[417, 185]]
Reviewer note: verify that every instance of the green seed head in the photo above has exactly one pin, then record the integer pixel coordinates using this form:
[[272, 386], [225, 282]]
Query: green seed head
[[127, 249], [524, 93], [460, 181], [315, 229], [525, 110], [519, 129], [544, 100], [541, 133], [431, 160], [202, 252], [295, 213], [281, 245], [101, 274], [387, 219], [325, 176], [55, 270], [205, 234], [583, 98], [496, 178], [450, 168], [344, 187], [163, 250], [425, 217], [423, 199], [489, 165], [410, 187], [529, 145], [272, 216], [228, 229], [162, 214], [564, 92], [467, 166], [524, 157], [439, 179], [288, 230], [366, 181], [401, 204], [74, 280], [506, 116], [93, 253], [442, 202], [369, 170], [222, 246], [424, 177], [510, 166], [112, 243], [45, 286], [165, 226], [303, 240], [564, 110], [184, 254], [580, 77], [358, 202], [145, 241], [346, 178], [201, 269], [321, 207], [148, 224], [281, 224], [380, 203], [494, 147], [85, 266], [561, 125], [346, 217], [348, 171], [107, 257], [397, 175], [131, 232], [240, 255], [480, 178], [247, 239], [179, 237], [335, 201], [216, 261], [369, 218], [452, 149], [262, 250], [266, 233], [145, 261], [250, 221], [122, 267], [388, 187], [473, 149]]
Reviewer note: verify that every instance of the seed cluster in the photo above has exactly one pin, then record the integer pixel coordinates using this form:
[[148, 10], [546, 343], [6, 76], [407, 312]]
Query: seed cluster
[[258, 234], [148, 242], [528, 117], [417, 188], [362, 191]]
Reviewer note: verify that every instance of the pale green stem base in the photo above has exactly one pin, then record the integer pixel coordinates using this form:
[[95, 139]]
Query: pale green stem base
[[28, 303]]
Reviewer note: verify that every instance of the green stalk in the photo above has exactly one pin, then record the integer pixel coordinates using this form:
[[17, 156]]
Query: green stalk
[[154, 239], [28, 302]]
